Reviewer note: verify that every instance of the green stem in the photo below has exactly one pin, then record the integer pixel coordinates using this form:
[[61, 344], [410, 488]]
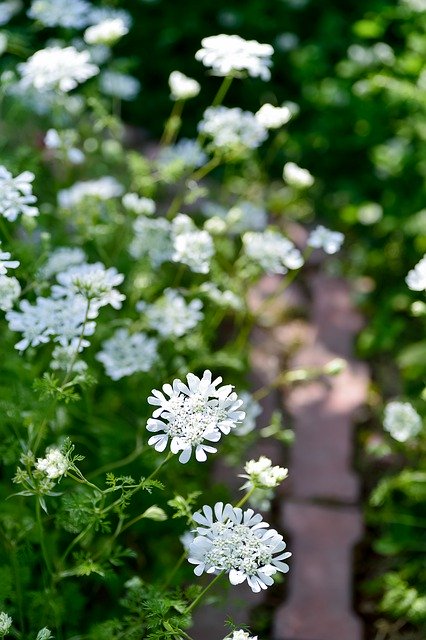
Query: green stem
[[202, 594], [42, 541], [160, 466], [174, 571], [80, 340], [82, 480], [222, 91], [244, 499], [118, 463], [173, 124]]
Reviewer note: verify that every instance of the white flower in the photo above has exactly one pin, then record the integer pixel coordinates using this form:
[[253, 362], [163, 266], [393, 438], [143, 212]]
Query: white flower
[[60, 13], [60, 260], [227, 54], [296, 176], [322, 238], [271, 251], [57, 68], [243, 216], [187, 539], [6, 263], [226, 299], [253, 410], [16, 195], [93, 282], [139, 205], [10, 290], [127, 353], [192, 247], [272, 117], [192, 414], [171, 316], [240, 543], [5, 623], [182, 87], [64, 359], [119, 85], [152, 239], [106, 32], [63, 143], [102, 188], [8, 9], [100, 14], [54, 465], [262, 475], [187, 153], [416, 278], [240, 635], [402, 421], [230, 128]]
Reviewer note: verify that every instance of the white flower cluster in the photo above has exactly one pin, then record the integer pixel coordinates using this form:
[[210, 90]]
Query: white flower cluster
[[56, 68], [402, 421], [16, 196], [64, 144], [61, 259], [238, 542], [6, 263], [416, 278], [260, 474], [107, 32], [243, 216], [127, 353], [10, 290], [152, 239], [272, 117], [119, 85], [140, 205], [192, 414], [226, 299], [8, 9], [232, 128], [240, 634], [227, 55], [91, 282], [5, 623], [322, 238], [186, 153], [192, 246], [253, 410], [171, 316], [103, 188], [182, 87], [297, 177], [54, 465], [61, 13], [271, 251]]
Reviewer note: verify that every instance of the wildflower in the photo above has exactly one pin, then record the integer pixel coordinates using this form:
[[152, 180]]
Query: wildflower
[[186, 153], [238, 542], [6, 263], [10, 290], [296, 176], [272, 117], [402, 421], [141, 206], [152, 239], [262, 475], [5, 623], [8, 9], [103, 188], [226, 299], [271, 251], [54, 465], [119, 85], [227, 54], [16, 195], [182, 87], [192, 414], [230, 128], [127, 353], [60, 13], [60, 260], [253, 410], [240, 634], [191, 246], [416, 278], [322, 238], [107, 32], [171, 316], [57, 68]]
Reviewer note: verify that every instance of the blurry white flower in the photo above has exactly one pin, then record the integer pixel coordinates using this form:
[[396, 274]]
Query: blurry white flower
[[54, 465], [322, 238], [240, 543], [127, 353], [182, 87], [60, 260], [370, 212], [137, 204], [271, 251], [272, 117], [152, 239], [10, 290], [5, 623], [102, 188], [101, 14], [240, 635], [60, 13], [6, 263], [16, 195], [106, 32], [119, 85], [246, 216], [227, 298], [192, 414], [401, 420], [415, 5], [170, 315], [188, 153], [187, 539], [262, 475], [56, 68], [227, 54], [64, 142], [8, 9], [253, 410], [64, 359], [231, 128], [287, 41], [296, 176], [416, 278], [192, 247]]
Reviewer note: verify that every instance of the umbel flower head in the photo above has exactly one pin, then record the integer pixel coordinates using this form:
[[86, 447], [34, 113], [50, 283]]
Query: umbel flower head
[[193, 414], [262, 475], [322, 238], [5, 623], [16, 195], [239, 543], [401, 420], [54, 465], [232, 55], [416, 278], [240, 634]]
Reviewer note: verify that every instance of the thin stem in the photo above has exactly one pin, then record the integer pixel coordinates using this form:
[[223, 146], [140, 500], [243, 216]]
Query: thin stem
[[118, 463], [174, 571], [222, 91], [173, 124], [203, 171], [82, 480], [42, 542], [244, 499], [76, 540], [160, 466], [202, 594], [80, 340]]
